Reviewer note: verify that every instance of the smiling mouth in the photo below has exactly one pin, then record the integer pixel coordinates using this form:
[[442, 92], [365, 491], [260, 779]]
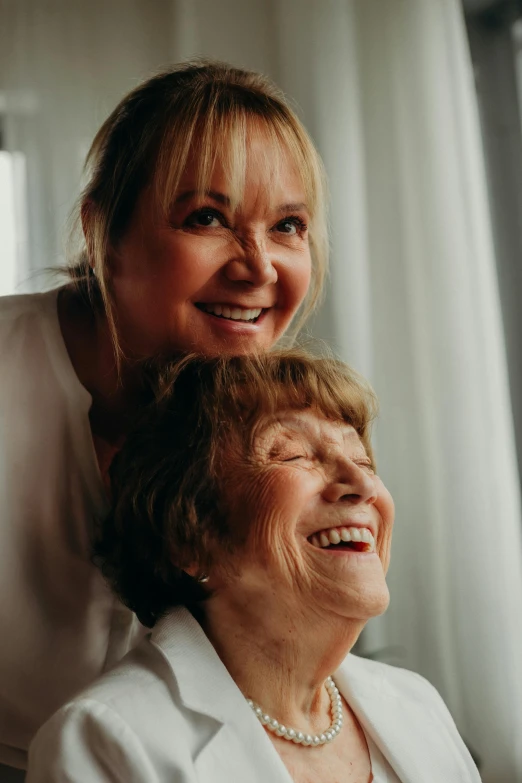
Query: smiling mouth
[[228, 313], [355, 539]]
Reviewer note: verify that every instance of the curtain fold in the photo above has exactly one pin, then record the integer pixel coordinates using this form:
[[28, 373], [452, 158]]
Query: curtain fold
[[446, 436], [386, 89]]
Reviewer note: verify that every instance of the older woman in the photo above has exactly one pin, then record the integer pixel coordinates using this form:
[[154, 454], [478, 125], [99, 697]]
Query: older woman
[[250, 530], [203, 230]]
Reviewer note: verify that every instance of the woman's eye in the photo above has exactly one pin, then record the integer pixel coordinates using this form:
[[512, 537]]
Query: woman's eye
[[366, 466], [292, 226], [205, 218], [294, 457]]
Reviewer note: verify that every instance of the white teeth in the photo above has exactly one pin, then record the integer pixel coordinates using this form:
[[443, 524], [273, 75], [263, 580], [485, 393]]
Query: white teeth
[[336, 535], [234, 313]]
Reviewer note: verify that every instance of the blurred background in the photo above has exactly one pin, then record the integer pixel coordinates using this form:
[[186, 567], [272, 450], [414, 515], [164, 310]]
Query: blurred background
[[415, 106]]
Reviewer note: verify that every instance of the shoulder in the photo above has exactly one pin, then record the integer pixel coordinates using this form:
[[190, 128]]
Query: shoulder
[[393, 680], [404, 710], [86, 740], [140, 683], [401, 692], [129, 720], [26, 320], [20, 305]]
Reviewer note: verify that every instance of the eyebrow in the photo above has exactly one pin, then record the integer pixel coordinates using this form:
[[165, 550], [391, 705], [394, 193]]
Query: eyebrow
[[298, 206], [221, 198]]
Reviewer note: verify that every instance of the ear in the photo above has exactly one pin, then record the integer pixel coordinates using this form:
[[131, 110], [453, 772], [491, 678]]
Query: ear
[[195, 572]]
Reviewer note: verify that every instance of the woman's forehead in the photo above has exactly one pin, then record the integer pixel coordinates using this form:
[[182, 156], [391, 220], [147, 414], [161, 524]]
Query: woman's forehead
[[265, 169], [311, 424], [253, 164]]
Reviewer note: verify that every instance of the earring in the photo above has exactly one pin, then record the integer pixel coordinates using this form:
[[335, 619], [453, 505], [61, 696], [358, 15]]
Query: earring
[[202, 579]]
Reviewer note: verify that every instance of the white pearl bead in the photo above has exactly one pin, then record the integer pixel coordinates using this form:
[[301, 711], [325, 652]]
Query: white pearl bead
[[290, 733], [328, 736], [265, 719], [322, 737], [317, 741], [299, 736], [274, 723]]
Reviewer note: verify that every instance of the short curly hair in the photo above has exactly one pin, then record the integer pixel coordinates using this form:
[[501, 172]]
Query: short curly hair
[[169, 509]]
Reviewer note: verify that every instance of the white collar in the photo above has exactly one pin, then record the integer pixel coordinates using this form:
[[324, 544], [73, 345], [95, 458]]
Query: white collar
[[404, 727]]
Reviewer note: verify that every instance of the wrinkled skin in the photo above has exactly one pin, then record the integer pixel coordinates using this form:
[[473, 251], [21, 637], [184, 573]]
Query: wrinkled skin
[[284, 613]]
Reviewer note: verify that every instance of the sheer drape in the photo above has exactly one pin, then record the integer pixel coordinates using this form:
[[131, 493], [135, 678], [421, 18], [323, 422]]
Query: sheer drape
[[386, 89]]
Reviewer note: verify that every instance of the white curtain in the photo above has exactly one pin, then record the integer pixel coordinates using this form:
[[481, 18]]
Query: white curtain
[[386, 88]]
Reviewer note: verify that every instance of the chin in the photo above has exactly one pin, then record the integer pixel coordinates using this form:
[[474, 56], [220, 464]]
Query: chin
[[371, 603]]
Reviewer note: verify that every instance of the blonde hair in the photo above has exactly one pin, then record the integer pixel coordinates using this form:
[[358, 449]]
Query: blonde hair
[[169, 482], [147, 140]]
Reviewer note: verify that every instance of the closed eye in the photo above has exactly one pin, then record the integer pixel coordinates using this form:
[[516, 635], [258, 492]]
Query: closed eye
[[365, 465]]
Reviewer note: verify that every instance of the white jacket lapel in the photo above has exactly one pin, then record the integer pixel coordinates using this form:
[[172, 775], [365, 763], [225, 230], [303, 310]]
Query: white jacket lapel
[[416, 742], [239, 749], [402, 721]]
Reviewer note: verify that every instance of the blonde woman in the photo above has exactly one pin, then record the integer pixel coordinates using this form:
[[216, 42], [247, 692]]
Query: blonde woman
[[251, 532], [204, 230]]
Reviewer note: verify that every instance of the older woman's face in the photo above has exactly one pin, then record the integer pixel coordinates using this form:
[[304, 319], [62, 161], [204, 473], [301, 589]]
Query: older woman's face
[[210, 278], [319, 519]]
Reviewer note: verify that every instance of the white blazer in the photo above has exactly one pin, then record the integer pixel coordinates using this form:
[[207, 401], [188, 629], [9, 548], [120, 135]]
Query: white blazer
[[170, 712]]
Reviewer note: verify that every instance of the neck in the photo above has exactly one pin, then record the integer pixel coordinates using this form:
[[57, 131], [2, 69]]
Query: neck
[[115, 397], [279, 659]]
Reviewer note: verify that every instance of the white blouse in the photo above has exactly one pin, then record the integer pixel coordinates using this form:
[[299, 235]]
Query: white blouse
[[61, 626]]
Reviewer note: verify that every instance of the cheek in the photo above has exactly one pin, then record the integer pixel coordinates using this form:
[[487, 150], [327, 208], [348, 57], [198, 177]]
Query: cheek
[[269, 505], [298, 280], [167, 263], [386, 508]]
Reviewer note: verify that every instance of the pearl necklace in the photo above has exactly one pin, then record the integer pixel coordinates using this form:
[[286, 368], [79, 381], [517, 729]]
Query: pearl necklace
[[297, 736]]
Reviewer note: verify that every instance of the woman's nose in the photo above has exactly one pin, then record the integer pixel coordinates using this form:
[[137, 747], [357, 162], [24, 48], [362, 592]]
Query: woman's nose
[[351, 483], [253, 265]]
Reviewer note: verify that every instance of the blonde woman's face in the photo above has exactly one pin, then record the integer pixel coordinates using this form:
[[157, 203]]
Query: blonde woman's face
[[209, 278]]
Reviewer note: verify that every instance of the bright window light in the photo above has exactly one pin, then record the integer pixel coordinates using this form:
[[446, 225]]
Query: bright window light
[[12, 191]]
